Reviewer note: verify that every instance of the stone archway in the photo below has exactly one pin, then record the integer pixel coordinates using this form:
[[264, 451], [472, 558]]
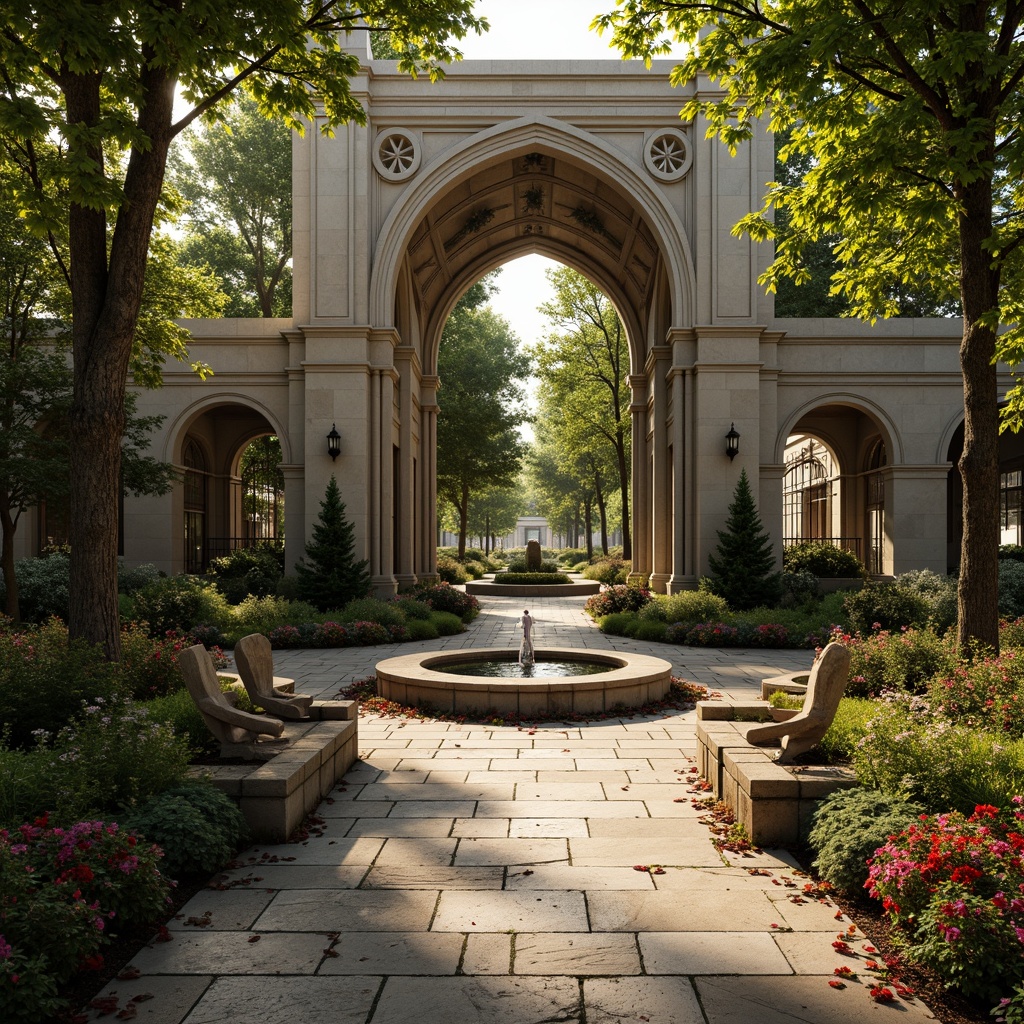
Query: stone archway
[[527, 187]]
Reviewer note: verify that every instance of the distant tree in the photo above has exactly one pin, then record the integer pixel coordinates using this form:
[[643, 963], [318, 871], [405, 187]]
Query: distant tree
[[743, 566], [332, 576], [235, 177], [481, 405], [583, 364]]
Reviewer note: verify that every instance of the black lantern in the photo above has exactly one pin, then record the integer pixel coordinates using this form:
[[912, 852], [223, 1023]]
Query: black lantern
[[334, 442], [732, 442]]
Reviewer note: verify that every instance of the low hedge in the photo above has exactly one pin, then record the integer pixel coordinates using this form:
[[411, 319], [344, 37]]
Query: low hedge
[[538, 579]]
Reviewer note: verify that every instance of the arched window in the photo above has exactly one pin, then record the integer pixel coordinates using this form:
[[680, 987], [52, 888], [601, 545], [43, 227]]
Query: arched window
[[874, 505], [807, 491], [262, 491], [195, 506]]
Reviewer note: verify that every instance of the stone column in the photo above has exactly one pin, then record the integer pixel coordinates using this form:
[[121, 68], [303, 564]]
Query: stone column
[[916, 517], [640, 489], [405, 569], [427, 569], [661, 483]]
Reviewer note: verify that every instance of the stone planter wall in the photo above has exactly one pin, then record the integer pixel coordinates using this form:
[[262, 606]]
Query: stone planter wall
[[276, 795], [773, 802]]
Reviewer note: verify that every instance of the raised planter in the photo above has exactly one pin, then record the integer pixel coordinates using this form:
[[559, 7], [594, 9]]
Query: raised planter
[[773, 802], [489, 587], [276, 795]]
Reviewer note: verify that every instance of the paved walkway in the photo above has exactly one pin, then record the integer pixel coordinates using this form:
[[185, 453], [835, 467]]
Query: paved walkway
[[471, 873]]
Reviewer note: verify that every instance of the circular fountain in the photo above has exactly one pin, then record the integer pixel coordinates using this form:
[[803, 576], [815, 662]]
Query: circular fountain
[[612, 678]]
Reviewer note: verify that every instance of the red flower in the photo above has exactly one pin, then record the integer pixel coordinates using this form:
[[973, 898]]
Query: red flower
[[881, 995], [965, 874]]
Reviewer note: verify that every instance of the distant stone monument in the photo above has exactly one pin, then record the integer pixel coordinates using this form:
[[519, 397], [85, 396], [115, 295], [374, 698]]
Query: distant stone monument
[[533, 556]]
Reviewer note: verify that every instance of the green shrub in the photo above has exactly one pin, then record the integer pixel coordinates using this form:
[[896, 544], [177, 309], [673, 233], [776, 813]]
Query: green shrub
[[43, 587], [446, 623], [45, 678], [743, 564], [571, 556], [373, 609], [198, 827], [424, 629], [788, 701], [610, 571], [449, 570], [617, 623], [442, 597], [885, 606], [798, 587], [25, 785], [247, 571], [651, 630], [262, 614], [518, 566], [822, 559], [905, 660], [329, 576], [848, 826], [149, 667], [986, 693], [1011, 588], [907, 752], [1012, 552], [110, 759], [848, 727], [179, 711], [412, 608], [131, 580], [686, 606], [619, 598], [938, 593], [180, 602], [536, 579]]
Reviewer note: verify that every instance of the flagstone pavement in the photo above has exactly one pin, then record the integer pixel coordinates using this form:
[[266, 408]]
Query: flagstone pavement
[[473, 873]]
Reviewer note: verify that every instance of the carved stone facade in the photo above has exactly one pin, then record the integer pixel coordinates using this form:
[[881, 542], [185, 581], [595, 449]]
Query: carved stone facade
[[586, 163]]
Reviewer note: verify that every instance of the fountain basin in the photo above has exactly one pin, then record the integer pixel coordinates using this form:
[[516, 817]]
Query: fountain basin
[[631, 680]]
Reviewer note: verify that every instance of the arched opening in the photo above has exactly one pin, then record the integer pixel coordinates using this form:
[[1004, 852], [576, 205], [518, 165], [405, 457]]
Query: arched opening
[[835, 482], [232, 490], [1011, 493], [811, 499], [523, 196], [874, 506]]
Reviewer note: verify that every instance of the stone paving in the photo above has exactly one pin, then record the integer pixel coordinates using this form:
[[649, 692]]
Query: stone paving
[[472, 873]]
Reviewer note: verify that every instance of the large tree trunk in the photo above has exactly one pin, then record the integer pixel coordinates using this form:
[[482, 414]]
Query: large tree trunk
[[978, 587], [7, 528], [106, 298], [588, 527], [463, 520], [623, 467], [602, 513]]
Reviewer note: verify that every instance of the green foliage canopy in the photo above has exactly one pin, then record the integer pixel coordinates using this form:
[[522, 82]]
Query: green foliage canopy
[[909, 115], [99, 80]]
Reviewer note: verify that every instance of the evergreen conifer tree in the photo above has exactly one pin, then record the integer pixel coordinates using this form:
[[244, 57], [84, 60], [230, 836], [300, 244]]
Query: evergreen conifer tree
[[332, 576], [743, 566]]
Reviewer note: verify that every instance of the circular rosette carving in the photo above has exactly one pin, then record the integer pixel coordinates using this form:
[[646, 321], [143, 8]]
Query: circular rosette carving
[[396, 154], [667, 154]]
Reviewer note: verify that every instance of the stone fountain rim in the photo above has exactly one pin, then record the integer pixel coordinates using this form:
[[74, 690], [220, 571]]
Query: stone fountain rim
[[416, 668]]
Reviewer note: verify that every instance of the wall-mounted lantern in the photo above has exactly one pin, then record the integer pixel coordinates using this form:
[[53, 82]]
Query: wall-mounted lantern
[[334, 442], [732, 442]]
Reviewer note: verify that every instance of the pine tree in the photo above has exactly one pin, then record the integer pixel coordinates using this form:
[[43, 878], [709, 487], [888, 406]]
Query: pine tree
[[333, 577], [743, 566]]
